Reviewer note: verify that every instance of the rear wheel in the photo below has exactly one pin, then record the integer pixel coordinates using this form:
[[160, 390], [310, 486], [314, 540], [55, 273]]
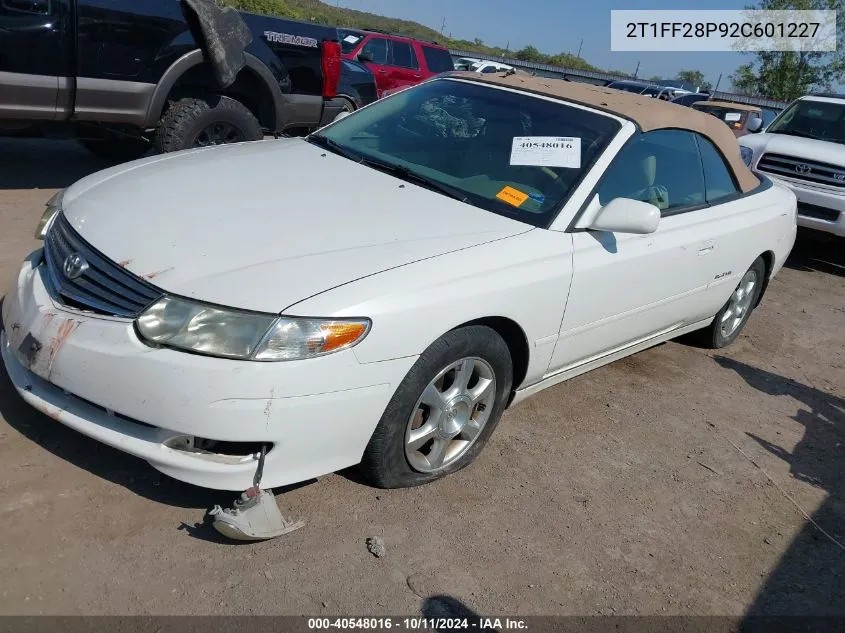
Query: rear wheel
[[733, 316], [443, 412], [213, 120], [348, 108]]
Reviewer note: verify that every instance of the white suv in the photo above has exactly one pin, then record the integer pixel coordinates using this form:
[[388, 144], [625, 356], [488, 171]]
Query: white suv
[[804, 147]]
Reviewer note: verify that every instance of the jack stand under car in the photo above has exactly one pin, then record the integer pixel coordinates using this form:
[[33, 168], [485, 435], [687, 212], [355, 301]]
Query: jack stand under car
[[254, 516]]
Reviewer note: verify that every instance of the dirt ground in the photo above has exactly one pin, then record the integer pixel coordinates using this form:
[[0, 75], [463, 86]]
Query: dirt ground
[[630, 490]]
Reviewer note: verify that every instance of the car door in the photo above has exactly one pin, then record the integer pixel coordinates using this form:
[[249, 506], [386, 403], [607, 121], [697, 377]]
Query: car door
[[732, 221], [629, 288], [404, 64], [35, 59], [376, 55]]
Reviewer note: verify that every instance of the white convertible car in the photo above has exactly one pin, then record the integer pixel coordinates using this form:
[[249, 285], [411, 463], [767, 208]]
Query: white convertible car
[[380, 291]]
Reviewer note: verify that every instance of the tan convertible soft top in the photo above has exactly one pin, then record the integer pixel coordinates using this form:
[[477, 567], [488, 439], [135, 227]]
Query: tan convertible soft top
[[648, 113]]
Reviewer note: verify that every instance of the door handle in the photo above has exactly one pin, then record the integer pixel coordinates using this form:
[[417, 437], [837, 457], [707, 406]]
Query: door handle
[[417, 76], [706, 250], [382, 70]]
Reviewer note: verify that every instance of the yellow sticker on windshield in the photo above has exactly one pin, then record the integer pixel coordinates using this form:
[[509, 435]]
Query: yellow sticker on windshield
[[512, 196]]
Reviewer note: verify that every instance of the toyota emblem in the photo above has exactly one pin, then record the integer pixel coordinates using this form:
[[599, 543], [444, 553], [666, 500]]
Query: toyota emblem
[[74, 266], [803, 169]]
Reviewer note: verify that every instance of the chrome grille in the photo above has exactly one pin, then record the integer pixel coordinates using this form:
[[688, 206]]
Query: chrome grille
[[103, 287], [800, 169]]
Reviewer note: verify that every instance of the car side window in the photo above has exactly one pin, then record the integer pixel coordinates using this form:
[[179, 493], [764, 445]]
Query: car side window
[[376, 50], [404, 56], [718, 179], [489, 69], [662, 168], [39, 7]]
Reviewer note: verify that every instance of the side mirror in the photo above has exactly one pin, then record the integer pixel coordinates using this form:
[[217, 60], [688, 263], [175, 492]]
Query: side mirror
[[363, 57], [624, 215], [755, 124]]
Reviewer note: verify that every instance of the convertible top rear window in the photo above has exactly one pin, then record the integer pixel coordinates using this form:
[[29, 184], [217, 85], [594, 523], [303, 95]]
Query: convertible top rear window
[[511, 153]]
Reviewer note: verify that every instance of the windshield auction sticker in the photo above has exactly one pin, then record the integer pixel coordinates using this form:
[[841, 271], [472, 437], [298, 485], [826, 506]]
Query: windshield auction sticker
[[546, 151], [512, 196]]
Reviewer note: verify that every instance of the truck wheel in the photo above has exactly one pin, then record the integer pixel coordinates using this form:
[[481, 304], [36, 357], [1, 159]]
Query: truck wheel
[[215, 120], [117, 149]]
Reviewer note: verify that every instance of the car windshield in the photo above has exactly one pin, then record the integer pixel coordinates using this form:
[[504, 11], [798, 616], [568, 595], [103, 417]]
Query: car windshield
[[510, 153], [734, 118], [349, 40], [822, 120]]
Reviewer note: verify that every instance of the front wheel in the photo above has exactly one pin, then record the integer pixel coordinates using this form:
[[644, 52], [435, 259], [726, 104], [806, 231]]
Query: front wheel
[[733, 316], [443, 412]]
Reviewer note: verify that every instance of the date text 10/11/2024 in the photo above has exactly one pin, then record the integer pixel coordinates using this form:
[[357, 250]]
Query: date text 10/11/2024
[[419, 624]]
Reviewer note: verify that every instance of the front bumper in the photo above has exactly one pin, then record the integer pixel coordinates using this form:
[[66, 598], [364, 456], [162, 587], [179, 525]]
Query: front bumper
[[819, 207], [92, 374]]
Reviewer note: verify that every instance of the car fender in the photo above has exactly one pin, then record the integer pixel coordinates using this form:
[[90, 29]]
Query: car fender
[[524, 278], [281, 103]]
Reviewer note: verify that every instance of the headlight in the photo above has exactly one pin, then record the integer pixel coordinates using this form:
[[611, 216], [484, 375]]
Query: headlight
[[747, 155], [228, 333], [54, 205]]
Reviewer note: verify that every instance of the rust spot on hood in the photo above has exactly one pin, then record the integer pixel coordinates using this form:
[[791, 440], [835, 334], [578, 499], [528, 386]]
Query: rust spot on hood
[[157, 273], [65, 330]]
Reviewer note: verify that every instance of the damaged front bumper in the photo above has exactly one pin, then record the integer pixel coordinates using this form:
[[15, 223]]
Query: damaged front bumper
[[192, 417]]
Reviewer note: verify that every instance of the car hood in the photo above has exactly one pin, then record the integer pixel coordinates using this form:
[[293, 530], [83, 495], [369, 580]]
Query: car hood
[[264, 225], [797, 146]]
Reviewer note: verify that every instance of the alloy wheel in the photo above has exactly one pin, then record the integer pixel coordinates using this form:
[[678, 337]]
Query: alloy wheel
[[450, 414], [739, 304]]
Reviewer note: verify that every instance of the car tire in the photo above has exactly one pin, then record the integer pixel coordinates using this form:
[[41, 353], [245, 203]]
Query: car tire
[[347, 109], [733, 316], [117, 149], [213, 120], [459, 367]]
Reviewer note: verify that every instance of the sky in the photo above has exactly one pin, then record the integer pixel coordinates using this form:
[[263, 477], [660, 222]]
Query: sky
[[557, 26]]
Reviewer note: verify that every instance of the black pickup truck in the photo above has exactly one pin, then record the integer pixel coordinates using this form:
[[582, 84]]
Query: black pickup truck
[[124, 75]]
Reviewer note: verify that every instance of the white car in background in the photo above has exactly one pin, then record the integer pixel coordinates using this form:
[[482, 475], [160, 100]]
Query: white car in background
[[486, 67], [804, 148], [380, 291]]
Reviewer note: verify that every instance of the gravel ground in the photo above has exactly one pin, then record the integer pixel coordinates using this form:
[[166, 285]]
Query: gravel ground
[[672, 482]]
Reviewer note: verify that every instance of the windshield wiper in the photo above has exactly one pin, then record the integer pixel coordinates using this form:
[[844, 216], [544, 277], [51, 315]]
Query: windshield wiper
[[333, 146], [801, 134], [418, 179]]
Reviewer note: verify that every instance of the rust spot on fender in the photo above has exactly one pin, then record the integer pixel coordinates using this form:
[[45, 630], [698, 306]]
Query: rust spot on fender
[[65, 330], [157, 273]]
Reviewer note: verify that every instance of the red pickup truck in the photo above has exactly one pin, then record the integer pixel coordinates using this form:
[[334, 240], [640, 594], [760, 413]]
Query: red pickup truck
[[396, 61]]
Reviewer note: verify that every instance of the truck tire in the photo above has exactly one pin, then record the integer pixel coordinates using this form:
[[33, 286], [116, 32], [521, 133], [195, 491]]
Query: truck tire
[[117, 149], [195, 122]]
